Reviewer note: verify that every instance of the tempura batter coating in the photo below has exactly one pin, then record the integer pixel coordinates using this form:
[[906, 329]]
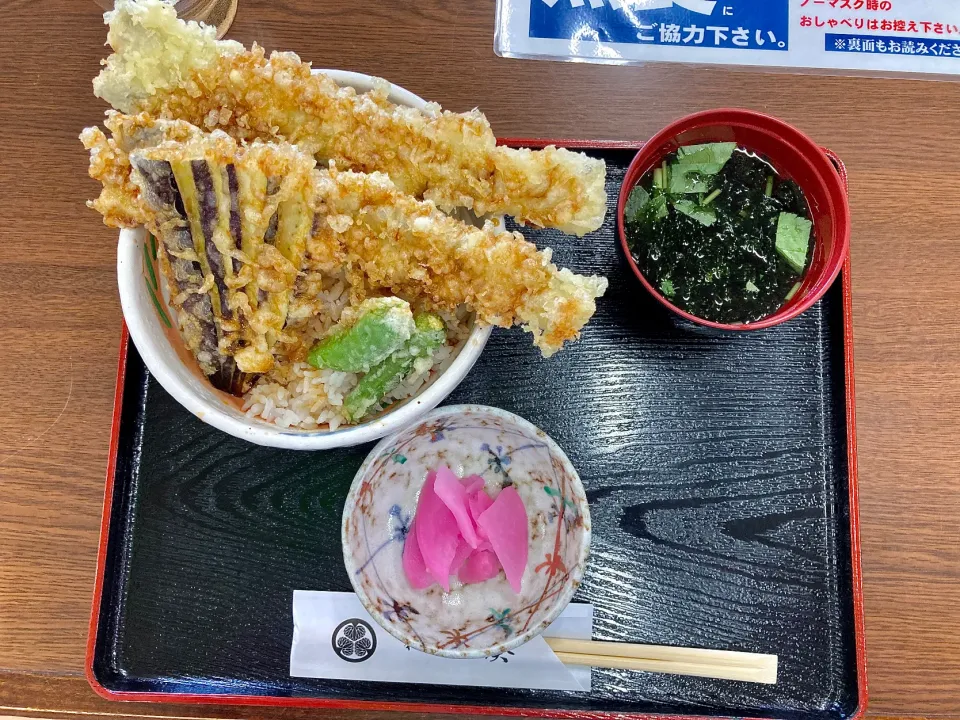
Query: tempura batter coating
[[178, 70], [119, 202], [393, 241], [233, 228], [385, 239]]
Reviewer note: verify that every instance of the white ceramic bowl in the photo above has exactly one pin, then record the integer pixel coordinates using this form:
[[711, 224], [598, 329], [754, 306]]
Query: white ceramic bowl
[[482, 619], [139, 302]]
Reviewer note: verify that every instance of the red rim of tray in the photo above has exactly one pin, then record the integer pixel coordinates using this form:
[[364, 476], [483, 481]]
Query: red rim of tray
[[439, 708], [795, 156]]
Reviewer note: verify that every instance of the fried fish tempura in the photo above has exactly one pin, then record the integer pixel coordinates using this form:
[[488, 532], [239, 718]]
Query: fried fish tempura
[[385, 239], [178, 70]]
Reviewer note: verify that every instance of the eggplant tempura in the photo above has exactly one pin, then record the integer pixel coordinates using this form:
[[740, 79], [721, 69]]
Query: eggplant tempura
[[177, 70]]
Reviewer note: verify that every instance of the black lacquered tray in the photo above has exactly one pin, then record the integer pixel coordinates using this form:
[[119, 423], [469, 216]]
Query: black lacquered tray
[[720, 470]]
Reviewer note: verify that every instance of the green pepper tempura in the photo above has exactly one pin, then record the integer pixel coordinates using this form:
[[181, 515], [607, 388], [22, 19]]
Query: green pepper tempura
[[429, 335], [383, 326], [386, 343]]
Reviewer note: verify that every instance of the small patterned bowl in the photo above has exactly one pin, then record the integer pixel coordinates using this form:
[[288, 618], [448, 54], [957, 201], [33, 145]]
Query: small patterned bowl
[[482, 619]]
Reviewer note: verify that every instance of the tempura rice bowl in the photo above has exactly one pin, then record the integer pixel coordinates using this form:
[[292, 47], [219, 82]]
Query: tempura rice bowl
[[295, 406]]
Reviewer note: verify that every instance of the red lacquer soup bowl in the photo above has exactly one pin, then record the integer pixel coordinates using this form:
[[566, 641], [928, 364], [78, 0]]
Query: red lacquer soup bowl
[[794, 156]]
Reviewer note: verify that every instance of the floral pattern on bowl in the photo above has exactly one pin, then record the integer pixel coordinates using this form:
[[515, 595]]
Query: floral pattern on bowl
[[481, 619]]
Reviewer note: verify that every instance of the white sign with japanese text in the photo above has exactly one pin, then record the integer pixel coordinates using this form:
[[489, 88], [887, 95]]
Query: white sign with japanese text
[[873, 36]]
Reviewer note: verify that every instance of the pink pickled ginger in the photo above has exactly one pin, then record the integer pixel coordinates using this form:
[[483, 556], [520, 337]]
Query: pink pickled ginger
[[481, 565], [454, 496], [472, 483], [478, 502], [437, 533], [460, 530], [463, 552], [505, 524]]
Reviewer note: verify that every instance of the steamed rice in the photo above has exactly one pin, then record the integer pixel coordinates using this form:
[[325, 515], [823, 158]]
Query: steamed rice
[[299, 396]]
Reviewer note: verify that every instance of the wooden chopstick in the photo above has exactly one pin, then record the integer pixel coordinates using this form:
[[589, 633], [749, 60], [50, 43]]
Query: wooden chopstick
[[722, 664]]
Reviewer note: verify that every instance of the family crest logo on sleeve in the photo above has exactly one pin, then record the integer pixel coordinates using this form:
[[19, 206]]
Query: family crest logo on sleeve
[[354, 640]]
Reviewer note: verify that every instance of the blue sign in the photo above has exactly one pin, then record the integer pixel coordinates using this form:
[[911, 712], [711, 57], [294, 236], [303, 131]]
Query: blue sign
[[743, 24], [892, 45]]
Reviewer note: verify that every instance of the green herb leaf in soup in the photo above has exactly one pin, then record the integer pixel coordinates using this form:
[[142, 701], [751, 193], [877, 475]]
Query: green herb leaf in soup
[[703, 215], [657, 207], [637, 201], [751, 288], [793, 239], [666, 286], [685, 180], [706, 159]]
